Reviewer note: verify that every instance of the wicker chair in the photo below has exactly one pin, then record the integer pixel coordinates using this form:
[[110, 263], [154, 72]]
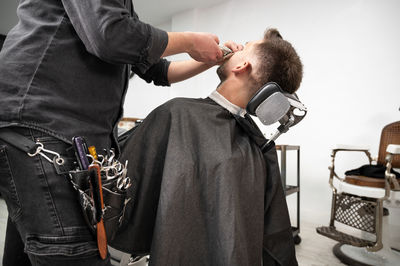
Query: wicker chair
[[357, 202]]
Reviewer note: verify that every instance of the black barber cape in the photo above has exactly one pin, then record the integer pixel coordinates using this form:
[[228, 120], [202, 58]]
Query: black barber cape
[[204, 193]]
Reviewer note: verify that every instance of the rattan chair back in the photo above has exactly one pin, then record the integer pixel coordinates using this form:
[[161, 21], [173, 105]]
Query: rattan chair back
[[390, 135]]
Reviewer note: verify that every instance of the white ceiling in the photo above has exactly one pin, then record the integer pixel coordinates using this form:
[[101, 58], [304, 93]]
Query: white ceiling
[[158, 12]]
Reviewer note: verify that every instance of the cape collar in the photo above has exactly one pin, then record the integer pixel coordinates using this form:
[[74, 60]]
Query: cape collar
[[221, 100]]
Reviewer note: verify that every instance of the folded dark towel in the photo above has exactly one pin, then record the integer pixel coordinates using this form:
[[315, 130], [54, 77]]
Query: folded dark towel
[[377, 171]]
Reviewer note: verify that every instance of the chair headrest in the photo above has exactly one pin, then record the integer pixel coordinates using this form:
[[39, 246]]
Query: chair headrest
[[271, 104]]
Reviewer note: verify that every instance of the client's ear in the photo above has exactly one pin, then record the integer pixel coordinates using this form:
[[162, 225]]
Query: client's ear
[[242, 67]]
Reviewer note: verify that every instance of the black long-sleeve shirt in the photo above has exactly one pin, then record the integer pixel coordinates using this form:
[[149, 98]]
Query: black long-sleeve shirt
[[64, 67]]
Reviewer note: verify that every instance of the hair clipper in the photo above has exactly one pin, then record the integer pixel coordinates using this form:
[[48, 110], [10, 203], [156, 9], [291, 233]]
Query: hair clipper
[[227, 52]]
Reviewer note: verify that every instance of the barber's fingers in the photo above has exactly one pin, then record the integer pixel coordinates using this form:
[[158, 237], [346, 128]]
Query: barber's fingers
[[223, 59], [234, 46], [220, 54], [205, 47], [215, 38]]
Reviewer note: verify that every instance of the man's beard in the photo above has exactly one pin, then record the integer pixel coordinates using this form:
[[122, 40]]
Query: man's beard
[[221, 73]]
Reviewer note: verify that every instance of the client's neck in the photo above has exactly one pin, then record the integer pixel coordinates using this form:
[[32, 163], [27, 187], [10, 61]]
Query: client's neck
[[234, 92]]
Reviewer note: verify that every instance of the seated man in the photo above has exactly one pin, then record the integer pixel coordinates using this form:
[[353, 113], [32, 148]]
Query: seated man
[[204, 192]]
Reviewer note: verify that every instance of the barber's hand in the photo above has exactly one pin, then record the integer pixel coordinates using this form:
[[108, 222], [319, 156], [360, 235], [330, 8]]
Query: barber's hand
[[234, 46], [204, 47]]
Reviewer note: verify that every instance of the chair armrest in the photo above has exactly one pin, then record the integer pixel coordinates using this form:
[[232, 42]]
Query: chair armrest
[[341, 147], [393, 149], [338, 148]]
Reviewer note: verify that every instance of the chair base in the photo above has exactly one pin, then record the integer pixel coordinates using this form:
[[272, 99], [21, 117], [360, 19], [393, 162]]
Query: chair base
[[356, 256], [332, 233]]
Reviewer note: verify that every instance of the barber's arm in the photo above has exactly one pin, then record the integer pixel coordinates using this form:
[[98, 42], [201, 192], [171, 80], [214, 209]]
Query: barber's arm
[[182, 70], [108, 31], [202, 47], [157, 73], [164, 73]]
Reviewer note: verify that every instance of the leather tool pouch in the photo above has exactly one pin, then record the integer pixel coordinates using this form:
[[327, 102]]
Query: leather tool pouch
[[115, 201]]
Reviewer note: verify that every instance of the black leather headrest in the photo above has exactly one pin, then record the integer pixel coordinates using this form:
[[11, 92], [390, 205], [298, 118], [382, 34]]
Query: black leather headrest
[[263, 93]]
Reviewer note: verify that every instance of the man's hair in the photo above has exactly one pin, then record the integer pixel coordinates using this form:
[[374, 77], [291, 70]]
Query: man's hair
[[278, 62]]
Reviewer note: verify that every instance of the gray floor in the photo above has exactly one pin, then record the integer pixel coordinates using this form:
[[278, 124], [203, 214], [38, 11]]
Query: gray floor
[[313, 249]]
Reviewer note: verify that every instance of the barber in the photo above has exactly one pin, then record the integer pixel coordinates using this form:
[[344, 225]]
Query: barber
[[64, 71]]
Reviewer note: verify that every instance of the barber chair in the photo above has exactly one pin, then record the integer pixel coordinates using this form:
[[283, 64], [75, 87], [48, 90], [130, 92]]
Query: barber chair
[[119, 258], [126, 124], [358, 203]]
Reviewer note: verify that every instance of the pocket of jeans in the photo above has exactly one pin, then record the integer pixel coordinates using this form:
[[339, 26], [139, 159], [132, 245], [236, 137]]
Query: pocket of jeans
[[7, 186], [60, 245]]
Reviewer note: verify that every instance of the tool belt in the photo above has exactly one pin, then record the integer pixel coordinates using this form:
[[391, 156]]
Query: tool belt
[[114, 186], [101, 183]]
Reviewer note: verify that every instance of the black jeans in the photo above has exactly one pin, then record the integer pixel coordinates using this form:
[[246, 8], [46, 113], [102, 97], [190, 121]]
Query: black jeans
[[43, 207]]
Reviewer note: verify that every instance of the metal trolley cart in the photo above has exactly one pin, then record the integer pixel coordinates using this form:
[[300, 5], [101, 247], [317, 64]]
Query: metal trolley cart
[[290, 189]]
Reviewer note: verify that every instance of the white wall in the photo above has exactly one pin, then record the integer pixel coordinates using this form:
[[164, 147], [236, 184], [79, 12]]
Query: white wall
[[351, 57], [8, 15]]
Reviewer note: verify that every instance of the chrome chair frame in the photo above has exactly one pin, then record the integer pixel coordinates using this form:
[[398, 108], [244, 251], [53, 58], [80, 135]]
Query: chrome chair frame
[[362, 208]]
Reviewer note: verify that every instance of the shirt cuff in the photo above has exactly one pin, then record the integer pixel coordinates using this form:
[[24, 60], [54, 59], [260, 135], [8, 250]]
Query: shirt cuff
[[156, 45], [164, 81]]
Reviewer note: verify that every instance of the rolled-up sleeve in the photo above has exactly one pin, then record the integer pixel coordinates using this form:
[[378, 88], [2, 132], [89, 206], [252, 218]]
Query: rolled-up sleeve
[[108, 31], [157, 73]]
